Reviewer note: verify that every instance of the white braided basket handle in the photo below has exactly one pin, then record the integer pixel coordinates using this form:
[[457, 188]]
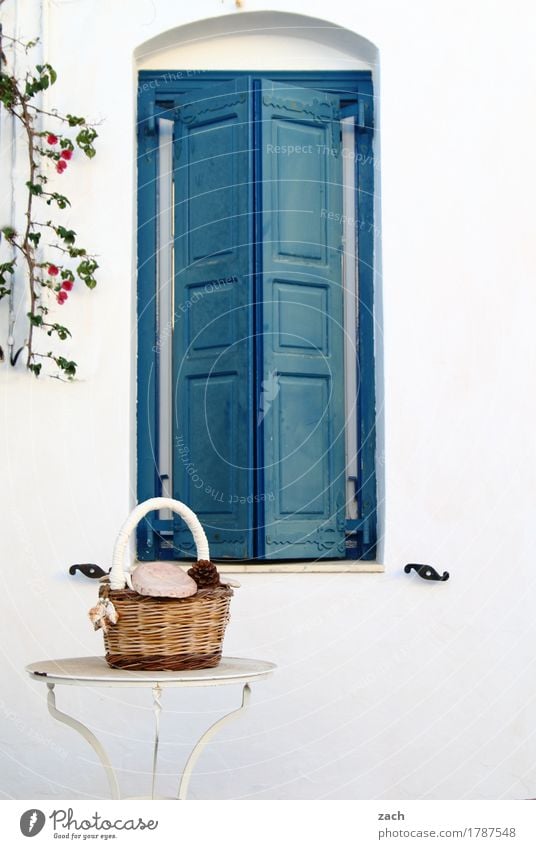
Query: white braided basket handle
[[118, 578]]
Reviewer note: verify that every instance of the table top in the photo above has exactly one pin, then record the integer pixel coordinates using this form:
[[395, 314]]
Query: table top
[[95, 672]]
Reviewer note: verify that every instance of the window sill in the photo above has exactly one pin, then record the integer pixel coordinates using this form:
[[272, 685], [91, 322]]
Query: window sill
[[325, 566]]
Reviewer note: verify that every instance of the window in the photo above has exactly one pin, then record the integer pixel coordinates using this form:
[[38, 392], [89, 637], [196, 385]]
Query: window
[[255, 334]]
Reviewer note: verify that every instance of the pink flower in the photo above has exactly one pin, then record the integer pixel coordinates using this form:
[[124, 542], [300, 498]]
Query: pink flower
[[66, 154], [61, 166], [53, 270], [52, 139], [67, 285], [62, 297]]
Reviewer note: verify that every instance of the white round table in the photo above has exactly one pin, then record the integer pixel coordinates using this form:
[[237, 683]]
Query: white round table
[[95, 672]]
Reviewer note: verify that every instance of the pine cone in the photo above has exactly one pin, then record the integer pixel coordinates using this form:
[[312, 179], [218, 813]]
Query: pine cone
[[205, 575]]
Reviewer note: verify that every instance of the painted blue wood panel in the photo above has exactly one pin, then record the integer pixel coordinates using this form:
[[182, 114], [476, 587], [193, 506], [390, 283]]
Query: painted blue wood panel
[[299, 282], [159, 91], [212, 338], [147, 407], [366, 484]]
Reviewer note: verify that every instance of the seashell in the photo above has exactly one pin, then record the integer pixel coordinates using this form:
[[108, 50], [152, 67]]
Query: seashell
[[163, 580], [110, 612], [97, 616]]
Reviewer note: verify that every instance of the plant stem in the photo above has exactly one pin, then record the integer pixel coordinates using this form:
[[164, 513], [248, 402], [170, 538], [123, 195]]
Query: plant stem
[[27, 247], [59, 117]]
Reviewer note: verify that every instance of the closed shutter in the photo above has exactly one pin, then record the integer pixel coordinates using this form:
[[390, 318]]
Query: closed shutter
[[212, 335], [301, 399]]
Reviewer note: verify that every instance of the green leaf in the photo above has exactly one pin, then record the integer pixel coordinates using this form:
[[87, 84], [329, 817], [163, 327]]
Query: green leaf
[[9, 233], [34, 238], [47, 74], [36, 368], [87, 266], [68, 236], [5, 268], [36, 320], [86, 270], [75, 121], [67, 366], [34, 188], [35, 84], [61, 200], [85, 139], [62, 331], [8, 90]]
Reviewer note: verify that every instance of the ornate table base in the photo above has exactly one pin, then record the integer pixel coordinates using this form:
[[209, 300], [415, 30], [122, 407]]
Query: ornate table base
[[95, 672]]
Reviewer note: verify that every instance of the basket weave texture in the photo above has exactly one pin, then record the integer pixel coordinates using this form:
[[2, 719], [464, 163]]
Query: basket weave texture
[[154, 633], [167, 633]]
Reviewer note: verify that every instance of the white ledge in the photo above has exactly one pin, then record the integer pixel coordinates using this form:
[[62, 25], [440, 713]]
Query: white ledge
[[229, 568]]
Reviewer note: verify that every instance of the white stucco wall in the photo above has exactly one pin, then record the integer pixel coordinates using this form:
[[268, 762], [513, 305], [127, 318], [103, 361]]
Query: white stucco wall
[[388, 687]]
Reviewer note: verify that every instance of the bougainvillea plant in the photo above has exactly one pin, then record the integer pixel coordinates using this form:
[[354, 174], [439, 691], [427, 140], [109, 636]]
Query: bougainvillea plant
[[53, 261]]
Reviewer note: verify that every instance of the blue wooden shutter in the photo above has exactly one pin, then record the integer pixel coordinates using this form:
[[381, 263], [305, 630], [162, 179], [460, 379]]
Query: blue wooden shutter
[[212, 339], [301, 398], [147, 431]]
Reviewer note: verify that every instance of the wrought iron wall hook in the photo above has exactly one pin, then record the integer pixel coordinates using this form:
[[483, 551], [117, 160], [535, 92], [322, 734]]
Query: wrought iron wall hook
[[426, 572], [90, 570], [14, 357]]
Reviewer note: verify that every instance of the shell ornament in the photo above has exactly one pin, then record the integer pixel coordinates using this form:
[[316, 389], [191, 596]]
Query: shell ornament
[[103, 614]]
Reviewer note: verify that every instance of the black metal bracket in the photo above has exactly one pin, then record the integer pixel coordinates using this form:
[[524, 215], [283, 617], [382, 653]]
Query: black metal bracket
[[14, 357], [90, 570], [426, 572]]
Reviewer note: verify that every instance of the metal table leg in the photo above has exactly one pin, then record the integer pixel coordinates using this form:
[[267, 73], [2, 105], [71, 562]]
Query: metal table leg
[[157, 708], [87, 735], [201, 743]]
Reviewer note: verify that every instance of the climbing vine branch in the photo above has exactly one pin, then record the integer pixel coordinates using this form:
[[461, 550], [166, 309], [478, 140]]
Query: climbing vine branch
[[52, 259]]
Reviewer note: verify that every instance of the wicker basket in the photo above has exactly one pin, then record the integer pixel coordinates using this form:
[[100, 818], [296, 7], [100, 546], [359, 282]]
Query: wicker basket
[[164, 633]]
